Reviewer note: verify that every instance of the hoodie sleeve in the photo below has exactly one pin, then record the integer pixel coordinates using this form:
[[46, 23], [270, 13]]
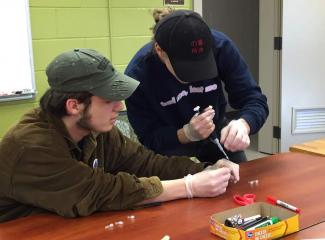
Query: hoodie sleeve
[[243, 92]]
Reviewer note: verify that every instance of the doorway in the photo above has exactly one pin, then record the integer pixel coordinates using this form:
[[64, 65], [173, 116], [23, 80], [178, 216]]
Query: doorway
[[252, 25]]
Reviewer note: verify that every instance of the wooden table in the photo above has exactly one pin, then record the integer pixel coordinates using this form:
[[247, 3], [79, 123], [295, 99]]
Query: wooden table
[[313, 232], [316, 147], [293, 177]]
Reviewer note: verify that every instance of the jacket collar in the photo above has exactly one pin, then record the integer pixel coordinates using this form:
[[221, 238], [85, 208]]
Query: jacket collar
[[89, 144]]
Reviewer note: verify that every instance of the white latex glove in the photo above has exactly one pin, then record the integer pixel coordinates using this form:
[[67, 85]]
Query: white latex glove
[[200, 126], [210, 183], [224, 163], [234, 136]]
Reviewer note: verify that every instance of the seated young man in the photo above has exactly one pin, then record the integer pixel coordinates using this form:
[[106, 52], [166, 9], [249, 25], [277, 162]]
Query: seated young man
[[67, 157]]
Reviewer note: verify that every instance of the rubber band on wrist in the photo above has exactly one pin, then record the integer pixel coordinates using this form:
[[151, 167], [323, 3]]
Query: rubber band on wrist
[[189, 185]]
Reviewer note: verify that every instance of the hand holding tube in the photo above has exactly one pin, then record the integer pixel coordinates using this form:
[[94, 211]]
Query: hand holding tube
[[200, 125], [235, 136], [207, 183], [224, 163]]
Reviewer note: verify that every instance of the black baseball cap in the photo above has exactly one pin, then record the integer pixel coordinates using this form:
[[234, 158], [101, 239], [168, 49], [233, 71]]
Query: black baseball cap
[[86, 70], [188, 42]]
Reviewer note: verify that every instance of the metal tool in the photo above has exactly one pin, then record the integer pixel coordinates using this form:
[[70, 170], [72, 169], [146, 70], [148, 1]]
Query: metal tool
[[216, 141], [213, 136]]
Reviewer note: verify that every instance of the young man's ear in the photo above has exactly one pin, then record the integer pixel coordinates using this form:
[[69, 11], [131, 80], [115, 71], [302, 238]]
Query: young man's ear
[[161, 54], [73, 106]]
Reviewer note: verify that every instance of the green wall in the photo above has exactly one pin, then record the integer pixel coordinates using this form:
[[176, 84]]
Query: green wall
[[117, 28]]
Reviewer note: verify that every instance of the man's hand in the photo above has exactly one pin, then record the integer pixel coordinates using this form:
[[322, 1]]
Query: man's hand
[[203, 184], [210, 183], [200, 126], [235, 136], [224, 163]]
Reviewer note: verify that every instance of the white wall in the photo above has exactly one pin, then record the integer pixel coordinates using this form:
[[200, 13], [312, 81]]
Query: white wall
[[197, 6], [303, 64], [16, 62]]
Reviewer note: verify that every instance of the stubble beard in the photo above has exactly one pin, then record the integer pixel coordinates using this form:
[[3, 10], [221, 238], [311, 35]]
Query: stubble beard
[[83, 122]]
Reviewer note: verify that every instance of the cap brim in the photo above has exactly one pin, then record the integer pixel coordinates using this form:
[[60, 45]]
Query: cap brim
[[117, 89], [195, 70]]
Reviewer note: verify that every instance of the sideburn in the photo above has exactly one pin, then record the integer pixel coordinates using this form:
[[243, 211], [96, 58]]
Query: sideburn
[[83, 122]]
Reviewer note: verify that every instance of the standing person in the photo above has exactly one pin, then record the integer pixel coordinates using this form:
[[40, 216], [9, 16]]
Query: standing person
[[183, 68], [68, 158]]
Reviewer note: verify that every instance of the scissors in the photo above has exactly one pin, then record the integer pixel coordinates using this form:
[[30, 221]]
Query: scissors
[[246, 199]]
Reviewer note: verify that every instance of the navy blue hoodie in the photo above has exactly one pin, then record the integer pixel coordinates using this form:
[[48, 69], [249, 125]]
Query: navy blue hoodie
[[161, 104]]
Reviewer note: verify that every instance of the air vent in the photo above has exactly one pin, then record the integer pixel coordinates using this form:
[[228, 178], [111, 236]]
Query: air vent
[[308, 120]]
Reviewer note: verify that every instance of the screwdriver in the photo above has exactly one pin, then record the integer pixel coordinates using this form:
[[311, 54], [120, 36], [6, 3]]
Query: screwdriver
[[213, 136]]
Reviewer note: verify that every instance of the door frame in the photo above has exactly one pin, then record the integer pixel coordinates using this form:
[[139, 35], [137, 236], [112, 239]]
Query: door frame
[[270, 26]]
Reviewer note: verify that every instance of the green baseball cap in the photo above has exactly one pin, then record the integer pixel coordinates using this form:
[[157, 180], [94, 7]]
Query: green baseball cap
[[86, 70]]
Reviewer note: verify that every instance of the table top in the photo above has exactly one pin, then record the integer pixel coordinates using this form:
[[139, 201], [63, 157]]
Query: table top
[[295, 178], [313, 232], [316, 147]]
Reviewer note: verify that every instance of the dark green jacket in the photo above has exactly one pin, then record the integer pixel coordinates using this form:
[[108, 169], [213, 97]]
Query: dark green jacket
[[41, 168]]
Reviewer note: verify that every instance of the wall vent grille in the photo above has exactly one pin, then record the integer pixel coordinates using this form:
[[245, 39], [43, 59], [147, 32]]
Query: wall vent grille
[[308, 120]]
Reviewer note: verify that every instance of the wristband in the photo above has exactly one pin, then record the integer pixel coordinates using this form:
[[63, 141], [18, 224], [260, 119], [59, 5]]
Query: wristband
[[188, 185]]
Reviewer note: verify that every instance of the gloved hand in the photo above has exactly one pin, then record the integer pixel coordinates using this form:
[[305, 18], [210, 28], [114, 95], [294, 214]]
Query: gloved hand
[[210, 183], [235, 136], [200, 126], [224, 163]]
